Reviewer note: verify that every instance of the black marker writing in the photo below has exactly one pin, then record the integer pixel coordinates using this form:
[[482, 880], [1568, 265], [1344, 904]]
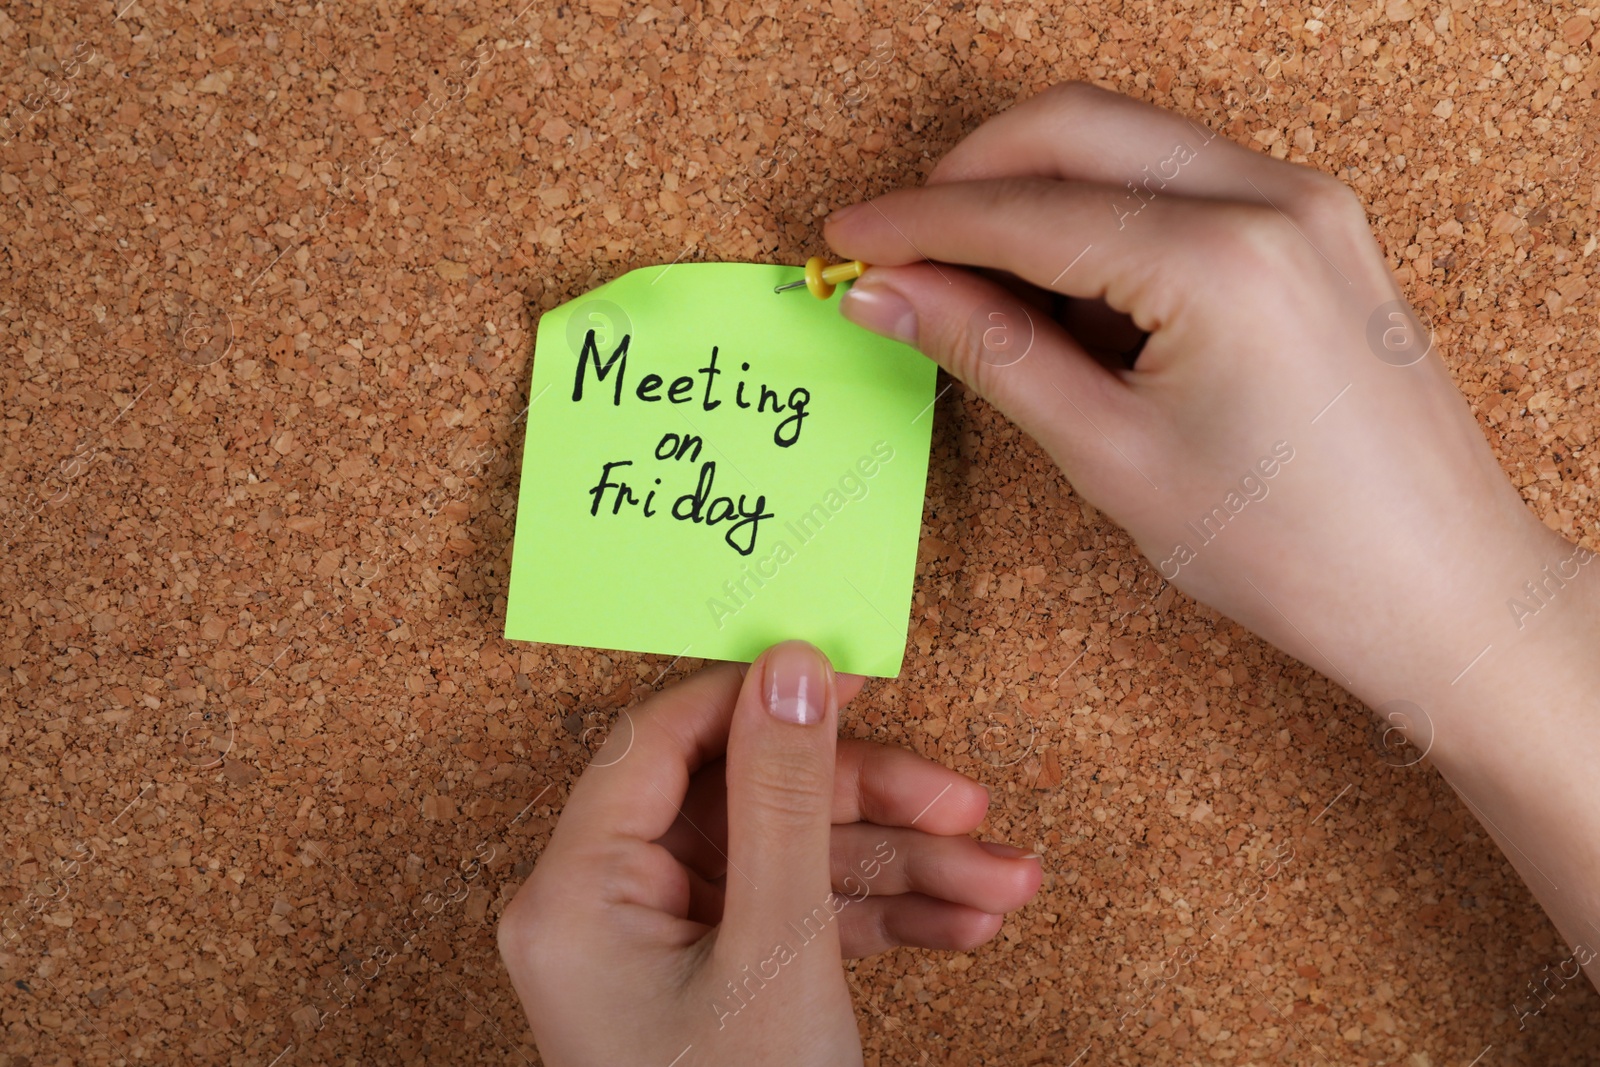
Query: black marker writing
[[795, 405], [592, 350], [740, 519], [696, 506]]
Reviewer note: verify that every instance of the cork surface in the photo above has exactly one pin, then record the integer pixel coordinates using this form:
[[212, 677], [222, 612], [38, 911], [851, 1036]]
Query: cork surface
[[270, 274]]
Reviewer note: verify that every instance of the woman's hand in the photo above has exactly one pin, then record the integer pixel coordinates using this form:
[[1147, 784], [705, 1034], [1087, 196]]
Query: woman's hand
[[688, 903], [1286, 447]]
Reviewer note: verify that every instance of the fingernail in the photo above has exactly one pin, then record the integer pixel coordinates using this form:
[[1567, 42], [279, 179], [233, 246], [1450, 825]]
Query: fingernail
[[874, 306], [797, 683], [1007, 852]]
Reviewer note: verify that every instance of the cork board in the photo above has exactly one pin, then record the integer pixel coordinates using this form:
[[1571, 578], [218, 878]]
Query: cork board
[[270, 281]]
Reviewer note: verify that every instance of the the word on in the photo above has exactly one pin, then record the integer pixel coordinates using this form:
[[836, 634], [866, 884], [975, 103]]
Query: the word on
[[1216, 520]]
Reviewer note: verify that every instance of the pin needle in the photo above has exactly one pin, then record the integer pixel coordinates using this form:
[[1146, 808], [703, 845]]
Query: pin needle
[[821, 278]]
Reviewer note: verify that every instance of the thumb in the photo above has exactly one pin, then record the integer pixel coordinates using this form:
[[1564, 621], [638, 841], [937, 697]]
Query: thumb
[[779, 775], [1013, 355]]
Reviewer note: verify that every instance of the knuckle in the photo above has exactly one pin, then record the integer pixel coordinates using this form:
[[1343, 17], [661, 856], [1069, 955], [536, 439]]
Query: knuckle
[[852, 870], [880, 925], [1327, 204], [792, 783], [1254, 244], [840, 858], [538, 931], [617, 873], [1071, 95], [1000, 197], [964, 357], [1273, 245], [524, 935], [978, 342], [978, 933]]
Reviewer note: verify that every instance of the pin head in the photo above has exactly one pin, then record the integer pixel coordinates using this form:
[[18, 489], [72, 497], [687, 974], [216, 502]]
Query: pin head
[[821, 278]]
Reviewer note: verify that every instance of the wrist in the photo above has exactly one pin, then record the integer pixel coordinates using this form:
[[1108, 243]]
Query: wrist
[[1516, 738], [1536, 683], [1521, 658], [1471, 621]]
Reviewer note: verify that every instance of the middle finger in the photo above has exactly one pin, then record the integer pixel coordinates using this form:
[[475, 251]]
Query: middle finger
[[1080, 132], [868, 860], [890, 862], [871, 782]]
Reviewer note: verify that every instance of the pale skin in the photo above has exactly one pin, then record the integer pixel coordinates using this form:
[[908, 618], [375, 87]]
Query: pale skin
[[1389, 551]]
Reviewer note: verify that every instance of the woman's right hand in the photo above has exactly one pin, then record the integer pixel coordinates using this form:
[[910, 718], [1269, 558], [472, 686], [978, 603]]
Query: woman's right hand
[[1286, 447]]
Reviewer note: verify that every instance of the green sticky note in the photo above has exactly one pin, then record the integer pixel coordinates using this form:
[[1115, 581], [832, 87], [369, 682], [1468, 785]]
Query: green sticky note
[[711, 468]]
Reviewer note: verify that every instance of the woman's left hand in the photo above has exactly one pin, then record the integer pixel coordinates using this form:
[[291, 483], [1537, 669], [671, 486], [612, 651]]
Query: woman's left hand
[[710, 899]]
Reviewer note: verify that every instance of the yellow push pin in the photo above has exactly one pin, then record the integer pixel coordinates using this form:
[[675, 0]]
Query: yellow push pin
[[821, 278]]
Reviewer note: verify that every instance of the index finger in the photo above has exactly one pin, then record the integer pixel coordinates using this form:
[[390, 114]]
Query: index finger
[[896, 787], [872, 783], [1067, 236], [635, 783]]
